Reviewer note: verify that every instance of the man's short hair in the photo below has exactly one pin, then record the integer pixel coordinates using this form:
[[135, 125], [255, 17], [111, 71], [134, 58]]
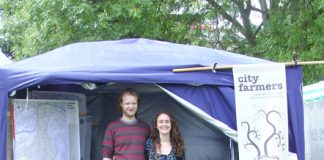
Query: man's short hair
[[130, 91]]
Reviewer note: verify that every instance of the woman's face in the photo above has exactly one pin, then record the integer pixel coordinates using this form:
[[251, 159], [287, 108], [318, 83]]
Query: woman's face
[[163, 124]]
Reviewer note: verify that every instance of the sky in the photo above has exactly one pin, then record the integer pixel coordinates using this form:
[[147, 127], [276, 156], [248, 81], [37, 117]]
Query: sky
[[256, 17]]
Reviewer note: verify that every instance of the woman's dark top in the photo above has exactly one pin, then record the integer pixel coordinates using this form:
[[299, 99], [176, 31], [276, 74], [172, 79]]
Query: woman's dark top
[[150, 154]]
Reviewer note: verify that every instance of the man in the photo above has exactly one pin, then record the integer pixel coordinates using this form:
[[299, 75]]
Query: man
[[125, 138]]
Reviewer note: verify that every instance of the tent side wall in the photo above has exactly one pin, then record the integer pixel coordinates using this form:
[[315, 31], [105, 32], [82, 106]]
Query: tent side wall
[[3, 125], [295, 111]]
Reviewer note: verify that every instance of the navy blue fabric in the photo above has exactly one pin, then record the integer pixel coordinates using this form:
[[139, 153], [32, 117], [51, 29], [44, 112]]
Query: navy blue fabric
[[3, 126], [142, 61], [295, 111]]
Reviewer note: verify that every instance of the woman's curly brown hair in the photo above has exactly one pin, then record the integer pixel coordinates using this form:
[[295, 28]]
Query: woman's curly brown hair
[[175, 136]]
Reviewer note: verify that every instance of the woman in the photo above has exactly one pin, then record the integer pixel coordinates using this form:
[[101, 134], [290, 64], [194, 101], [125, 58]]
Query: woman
[[165, 142]]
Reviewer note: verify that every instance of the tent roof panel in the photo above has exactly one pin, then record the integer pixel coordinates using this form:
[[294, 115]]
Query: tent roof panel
[[133, 53]]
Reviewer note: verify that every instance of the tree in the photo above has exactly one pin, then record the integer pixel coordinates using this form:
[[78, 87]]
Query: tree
[[286, 27], [35, 26], [295, 26]]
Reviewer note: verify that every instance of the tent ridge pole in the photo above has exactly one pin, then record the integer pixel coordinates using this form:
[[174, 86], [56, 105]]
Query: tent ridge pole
[[192, 69]]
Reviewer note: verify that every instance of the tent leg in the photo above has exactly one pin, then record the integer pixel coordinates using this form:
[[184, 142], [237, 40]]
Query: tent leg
[[9, 148]]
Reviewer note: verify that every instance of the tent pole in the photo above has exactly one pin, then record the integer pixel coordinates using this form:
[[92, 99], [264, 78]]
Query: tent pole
[[192, 69], [9, 131]]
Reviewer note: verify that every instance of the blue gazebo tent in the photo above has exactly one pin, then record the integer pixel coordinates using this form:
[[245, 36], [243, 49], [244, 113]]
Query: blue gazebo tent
[[203, 101]]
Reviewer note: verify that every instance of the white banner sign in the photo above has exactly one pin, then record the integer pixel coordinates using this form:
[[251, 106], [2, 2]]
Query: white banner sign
[[261, 111]]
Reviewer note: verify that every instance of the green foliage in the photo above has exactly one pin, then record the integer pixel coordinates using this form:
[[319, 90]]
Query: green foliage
[[298, 29], [37, 26]]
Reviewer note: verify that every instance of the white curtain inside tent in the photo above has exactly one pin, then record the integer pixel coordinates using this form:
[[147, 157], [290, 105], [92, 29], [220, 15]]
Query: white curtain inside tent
[[313, 119]]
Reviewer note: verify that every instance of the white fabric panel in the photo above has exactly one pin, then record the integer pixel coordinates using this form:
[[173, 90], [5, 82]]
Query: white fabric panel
[[313, 92], [313, 96], [314, 129]]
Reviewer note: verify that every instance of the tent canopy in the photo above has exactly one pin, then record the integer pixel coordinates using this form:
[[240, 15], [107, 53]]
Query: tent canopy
[[150, 62], [130, 60], [132, 53]]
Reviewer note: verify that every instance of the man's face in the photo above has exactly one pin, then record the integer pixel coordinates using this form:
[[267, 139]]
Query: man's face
[[129, 105]]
